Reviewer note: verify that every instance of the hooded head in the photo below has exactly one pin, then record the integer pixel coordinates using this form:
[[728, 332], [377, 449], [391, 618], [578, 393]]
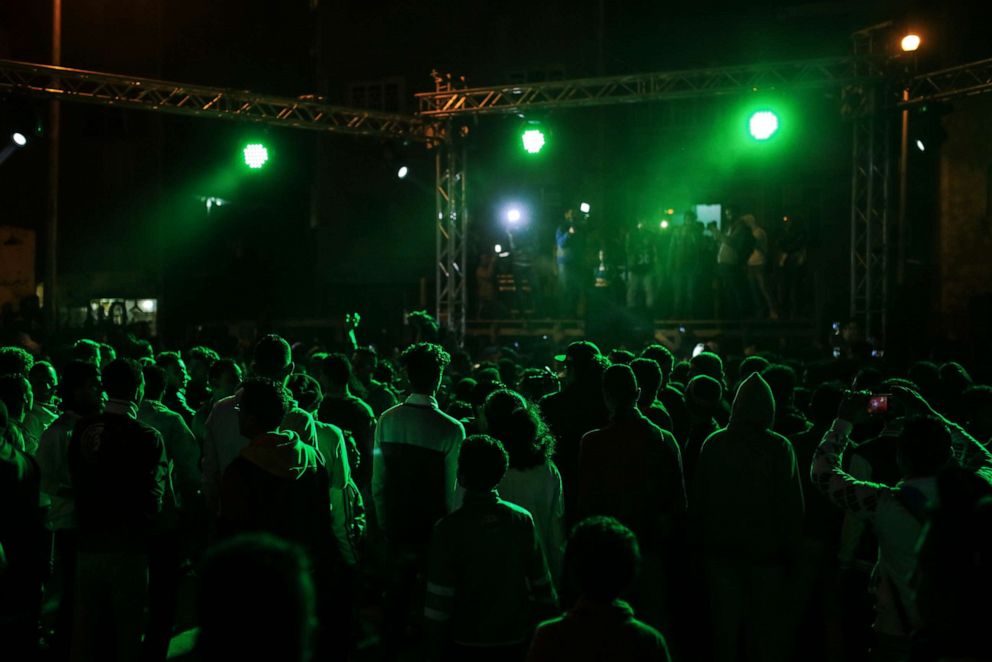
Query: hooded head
[[754, 405]]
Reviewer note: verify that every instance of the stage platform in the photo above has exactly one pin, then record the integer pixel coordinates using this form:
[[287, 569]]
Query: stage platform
[[674, 331]]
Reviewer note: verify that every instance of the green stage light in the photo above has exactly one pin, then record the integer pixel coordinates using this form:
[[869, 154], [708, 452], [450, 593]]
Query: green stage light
[[256, 155], [533, 140], [763, 124]]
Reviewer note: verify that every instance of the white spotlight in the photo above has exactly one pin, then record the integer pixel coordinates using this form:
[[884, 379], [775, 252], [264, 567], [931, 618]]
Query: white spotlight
[[19, 139]]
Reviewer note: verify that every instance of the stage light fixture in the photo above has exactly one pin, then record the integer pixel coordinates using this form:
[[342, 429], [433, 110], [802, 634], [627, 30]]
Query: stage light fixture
[[256, 155], [664, 225], [402, 172], [910, 43], [584, 207], [533, 140], [513, 215], [920, 146], [19, 139], [763, 124], [498, 248]]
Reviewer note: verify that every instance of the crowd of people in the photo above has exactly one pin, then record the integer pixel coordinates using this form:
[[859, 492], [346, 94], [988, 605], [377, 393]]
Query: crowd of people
[[417, 503], [678, 268]]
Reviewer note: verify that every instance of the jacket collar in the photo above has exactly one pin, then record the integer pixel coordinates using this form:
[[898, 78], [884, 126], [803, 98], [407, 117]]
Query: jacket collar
[[421, 400], [121, 408]]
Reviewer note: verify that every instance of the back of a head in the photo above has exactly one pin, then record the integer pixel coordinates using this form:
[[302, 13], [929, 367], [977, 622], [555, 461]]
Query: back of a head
[[272, 358], [336, 369], [499, 404], [482, 463], [617, 356], [168, 359], [86, 350], [663, 357], [703, 395], [602, 558], [75, 375], [648, 375], [306, 390], [923, 446], [123, 380], [709, 364], [620, 386], [524, 436], [424, 362], [14, 390], [954, 379], [825, 402], [203, 354], [781, 379], [926, 376], [15, 361], [751, 365], [264, 400], [225, 369], [256, 601], [155, 382]]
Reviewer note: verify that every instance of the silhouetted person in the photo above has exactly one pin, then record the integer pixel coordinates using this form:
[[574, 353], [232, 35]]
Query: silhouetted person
[[119, 473], [343, 409], [81, 392], [575, 410], [272, 359], [22, 549], [781, 379], [176, 379], [488, 582], [747, 510], [670, 394], [255, 602], [378, 395], [601, 560], [44, 382], [532, 480], [927, 443], [414, 472], [632, 470], [648, 375]]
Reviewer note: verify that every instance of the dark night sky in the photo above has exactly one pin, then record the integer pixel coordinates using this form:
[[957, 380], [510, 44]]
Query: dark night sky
[[129, 178]]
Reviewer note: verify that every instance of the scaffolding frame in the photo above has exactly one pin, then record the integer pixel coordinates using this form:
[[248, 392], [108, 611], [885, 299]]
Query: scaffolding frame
[[866, 101]]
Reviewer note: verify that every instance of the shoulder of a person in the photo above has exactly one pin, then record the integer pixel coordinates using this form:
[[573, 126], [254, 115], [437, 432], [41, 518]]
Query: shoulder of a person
[[328, 428], [515, 511]]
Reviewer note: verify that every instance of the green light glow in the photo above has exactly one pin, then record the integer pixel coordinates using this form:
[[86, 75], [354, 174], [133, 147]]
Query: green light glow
[[763, 124], [256, 155], [533, 140]]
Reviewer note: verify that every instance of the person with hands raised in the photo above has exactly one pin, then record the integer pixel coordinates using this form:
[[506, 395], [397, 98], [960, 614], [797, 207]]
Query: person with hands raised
[[927, 443]]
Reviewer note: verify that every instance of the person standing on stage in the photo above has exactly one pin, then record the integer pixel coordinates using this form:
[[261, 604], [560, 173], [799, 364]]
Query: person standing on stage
[[642, 253], [570, 240]]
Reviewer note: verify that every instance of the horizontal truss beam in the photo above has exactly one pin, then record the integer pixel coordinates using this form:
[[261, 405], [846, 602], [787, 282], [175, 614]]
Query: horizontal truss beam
[[695, 83], [210, 102], [964, 80]]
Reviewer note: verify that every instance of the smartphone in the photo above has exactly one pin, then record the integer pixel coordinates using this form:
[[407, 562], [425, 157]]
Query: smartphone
[[681, 328], [836, 327], [836, 352], [698, 349], [878, 404]]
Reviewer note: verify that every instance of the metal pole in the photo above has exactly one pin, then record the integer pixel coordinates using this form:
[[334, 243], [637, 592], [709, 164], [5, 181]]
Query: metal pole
[[52, 211], [903, 169]]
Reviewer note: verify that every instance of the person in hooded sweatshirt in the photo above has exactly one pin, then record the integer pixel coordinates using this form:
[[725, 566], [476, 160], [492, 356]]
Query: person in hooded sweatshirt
[[276, 484], [747, 514], [279, 485]]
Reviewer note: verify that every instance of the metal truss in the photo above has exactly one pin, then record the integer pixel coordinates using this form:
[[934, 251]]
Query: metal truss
[[964, 80], [451, 283], [209, 102], [448, 100], [870, 177]]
